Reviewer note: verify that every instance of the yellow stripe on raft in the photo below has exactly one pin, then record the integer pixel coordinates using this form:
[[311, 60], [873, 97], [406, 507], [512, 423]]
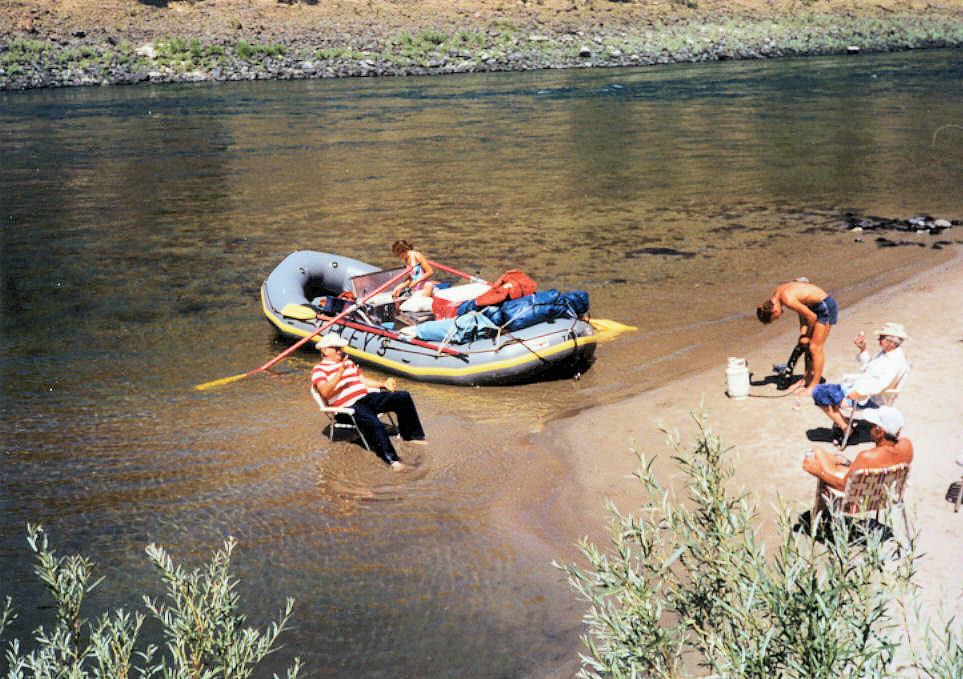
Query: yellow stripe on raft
[[488, 366], [447, 372]]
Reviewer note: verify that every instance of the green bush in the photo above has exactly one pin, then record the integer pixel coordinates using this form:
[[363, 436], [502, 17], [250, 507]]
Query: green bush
[[246, 50], [205, 635], [687, 581], [421, 42], [337, 53]]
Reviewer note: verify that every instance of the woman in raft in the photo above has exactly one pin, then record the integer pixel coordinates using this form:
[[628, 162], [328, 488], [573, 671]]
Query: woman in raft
[[421, 270]]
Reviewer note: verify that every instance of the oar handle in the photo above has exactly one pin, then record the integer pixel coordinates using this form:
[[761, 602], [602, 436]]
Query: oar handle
[[325, 326], [476, 279]]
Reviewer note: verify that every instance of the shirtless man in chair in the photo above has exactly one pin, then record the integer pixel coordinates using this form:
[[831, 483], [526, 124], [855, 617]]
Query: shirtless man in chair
[[834, 469]]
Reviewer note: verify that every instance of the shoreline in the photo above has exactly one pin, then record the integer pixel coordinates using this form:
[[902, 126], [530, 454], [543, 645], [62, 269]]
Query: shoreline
[[767, 433], [47, 44]]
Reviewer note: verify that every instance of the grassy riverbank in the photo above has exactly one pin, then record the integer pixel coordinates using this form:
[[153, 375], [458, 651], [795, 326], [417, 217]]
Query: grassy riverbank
[[55, 43]]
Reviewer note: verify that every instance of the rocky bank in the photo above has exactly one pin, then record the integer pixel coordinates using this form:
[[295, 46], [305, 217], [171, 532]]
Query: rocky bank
[[57, 43]]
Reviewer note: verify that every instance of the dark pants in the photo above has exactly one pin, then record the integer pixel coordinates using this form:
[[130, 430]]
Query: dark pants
[[366, 412]]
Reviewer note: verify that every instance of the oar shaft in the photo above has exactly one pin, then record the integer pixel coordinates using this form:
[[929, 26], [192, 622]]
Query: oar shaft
[[456, 272], [393, 335], [325, 326]]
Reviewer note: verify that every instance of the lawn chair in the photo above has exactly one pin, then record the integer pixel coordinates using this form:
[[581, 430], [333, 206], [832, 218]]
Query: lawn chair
[[870, 490], [343, 418], [885, 398]]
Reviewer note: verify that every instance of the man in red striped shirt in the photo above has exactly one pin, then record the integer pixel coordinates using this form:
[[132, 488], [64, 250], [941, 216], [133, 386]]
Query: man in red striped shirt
[[341, 384]]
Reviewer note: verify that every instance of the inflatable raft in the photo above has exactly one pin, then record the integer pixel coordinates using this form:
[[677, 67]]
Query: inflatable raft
[[379, 334]]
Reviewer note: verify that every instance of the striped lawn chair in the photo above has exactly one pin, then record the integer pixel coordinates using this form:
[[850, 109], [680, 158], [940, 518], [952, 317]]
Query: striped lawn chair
[[870, 490]]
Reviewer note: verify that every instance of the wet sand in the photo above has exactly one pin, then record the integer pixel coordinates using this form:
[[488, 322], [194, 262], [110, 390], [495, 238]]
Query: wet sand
[[769, 435]]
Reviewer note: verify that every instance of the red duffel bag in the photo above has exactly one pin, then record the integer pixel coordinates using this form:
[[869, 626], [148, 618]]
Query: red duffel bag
[[510, 285]]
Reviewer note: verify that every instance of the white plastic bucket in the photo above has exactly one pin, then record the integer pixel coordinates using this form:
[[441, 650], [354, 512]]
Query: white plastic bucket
[[737, 378]]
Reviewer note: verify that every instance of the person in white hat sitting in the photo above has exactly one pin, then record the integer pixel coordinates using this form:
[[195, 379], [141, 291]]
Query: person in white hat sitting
[[834, 469], [876, 374], [341, 384]]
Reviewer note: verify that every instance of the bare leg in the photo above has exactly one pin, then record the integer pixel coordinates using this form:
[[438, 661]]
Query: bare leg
[[820, 333], [825, 465], [820, 504], [833, 413]]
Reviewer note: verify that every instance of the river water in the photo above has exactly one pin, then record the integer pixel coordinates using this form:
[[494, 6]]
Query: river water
[[138, 224]]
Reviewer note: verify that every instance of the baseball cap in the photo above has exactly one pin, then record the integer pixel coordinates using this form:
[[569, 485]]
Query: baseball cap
[[887, 418]]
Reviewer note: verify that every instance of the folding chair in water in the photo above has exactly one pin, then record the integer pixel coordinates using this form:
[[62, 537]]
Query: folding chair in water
[[343, 418]]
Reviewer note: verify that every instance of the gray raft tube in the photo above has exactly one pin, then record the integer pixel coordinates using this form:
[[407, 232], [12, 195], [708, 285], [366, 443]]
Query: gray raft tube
[[306, 272]]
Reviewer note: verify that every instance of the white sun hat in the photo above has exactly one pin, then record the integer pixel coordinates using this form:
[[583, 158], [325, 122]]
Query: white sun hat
[[892, 330]]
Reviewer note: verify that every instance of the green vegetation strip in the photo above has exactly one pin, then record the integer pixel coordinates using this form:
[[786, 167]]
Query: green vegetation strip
[[502, 45]]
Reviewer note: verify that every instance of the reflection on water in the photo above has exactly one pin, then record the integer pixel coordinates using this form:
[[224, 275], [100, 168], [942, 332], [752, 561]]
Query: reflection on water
[[139, 222]]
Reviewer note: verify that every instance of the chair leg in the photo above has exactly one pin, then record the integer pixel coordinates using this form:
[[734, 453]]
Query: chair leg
[[820, 506], [364, 441], [849, 430], [909, 536]]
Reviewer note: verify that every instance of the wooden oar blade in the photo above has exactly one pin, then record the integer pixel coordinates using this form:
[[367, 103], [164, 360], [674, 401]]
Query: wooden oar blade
[[223, 380]]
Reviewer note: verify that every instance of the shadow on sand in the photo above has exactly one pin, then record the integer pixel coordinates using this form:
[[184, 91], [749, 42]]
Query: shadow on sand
[[859, 530]]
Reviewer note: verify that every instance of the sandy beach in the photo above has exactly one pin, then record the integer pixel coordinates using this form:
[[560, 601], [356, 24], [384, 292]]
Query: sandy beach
[[769, 435]]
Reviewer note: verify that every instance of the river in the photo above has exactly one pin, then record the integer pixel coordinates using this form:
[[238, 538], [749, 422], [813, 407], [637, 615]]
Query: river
[[139, 222]]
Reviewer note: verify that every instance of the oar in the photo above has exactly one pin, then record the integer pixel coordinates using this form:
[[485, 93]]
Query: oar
[[603, 328], [303, 313], [474, 279], [322, 328], [606, 329]]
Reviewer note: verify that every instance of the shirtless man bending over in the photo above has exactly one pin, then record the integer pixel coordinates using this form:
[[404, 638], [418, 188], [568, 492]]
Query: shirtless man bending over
[[817, 314], [833, 469]]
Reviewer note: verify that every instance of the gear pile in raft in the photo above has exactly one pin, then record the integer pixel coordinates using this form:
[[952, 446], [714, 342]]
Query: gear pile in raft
[[472, 333]]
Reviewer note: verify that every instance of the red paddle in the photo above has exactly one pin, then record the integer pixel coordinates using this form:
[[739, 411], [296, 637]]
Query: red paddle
[[322, 328]]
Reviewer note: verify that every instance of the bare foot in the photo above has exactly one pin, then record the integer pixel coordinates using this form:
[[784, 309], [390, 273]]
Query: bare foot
[[398, 466], [419, 442]]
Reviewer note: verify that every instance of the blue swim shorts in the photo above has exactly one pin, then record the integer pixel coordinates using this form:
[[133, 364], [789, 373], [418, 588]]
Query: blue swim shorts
[[827, 311], [828, 394]]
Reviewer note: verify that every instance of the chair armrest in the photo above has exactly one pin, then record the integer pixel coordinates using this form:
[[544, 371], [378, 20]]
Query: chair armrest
[[833, 492], [339, 411]]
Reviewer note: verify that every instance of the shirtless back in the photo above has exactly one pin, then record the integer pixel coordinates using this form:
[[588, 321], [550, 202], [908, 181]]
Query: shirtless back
[[890, 449], [884, 455], [817, 313], [800, 297]]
